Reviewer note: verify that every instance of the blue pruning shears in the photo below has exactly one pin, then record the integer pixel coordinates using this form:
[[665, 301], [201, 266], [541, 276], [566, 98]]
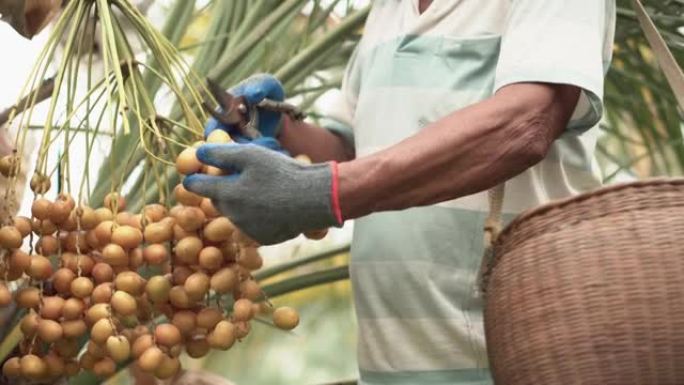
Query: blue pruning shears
[[237, 112]]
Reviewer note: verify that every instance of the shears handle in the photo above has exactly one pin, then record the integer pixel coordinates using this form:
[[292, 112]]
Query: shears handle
[[250, 128]]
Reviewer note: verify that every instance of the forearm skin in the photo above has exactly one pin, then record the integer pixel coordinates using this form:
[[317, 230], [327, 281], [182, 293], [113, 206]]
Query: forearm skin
[[466, 152], [317, 143]]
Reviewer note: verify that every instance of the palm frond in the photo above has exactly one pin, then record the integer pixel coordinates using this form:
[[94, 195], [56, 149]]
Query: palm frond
[[643, 123]]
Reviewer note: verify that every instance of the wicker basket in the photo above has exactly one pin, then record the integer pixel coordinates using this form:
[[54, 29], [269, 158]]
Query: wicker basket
[[590, 290]]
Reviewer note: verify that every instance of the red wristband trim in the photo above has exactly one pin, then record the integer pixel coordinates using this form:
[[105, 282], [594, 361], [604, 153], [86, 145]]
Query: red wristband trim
[[335, 193]]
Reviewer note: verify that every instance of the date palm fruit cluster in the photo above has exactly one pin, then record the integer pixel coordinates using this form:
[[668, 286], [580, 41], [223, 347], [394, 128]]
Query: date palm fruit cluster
[[82, 277]]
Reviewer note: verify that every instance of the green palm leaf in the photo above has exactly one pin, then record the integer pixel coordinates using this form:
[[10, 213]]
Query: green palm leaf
[[643, 123]]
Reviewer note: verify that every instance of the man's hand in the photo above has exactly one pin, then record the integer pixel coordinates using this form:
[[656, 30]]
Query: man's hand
[[254, 90], [270, 197], [294, 136]]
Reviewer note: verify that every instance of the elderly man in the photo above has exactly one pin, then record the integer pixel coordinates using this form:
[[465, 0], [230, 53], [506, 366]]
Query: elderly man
[[443, 100]]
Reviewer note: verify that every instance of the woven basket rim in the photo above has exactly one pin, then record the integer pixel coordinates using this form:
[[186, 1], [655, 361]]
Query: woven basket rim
[[533, 213], [561, 203]]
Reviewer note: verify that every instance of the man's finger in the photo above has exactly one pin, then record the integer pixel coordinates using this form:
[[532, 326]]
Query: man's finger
[[230, 157], [268, 142], [253, 93], [258, 87], [207, 186], [212, 126]]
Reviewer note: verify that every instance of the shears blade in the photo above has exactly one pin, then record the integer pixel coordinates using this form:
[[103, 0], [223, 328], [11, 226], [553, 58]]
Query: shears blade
[[232, 109]]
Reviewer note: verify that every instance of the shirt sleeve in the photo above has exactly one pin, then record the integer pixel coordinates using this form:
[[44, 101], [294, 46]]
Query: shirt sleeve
[[339, 116], [560, 42]]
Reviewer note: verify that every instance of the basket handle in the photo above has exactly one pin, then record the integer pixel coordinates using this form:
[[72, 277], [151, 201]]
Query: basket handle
[[492, 229], [673, 74]]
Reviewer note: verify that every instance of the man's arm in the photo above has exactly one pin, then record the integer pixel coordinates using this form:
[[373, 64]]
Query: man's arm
[[470, 150], [317, 143], [273, 198]]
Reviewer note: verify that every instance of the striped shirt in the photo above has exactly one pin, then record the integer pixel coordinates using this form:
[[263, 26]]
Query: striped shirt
[[413, 271]]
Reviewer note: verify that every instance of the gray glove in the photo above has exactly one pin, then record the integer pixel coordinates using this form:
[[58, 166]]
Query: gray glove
[[270, 197]]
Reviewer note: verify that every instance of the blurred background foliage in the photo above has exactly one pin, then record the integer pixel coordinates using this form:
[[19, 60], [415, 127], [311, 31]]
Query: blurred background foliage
[[306, 44], [642, 124]]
